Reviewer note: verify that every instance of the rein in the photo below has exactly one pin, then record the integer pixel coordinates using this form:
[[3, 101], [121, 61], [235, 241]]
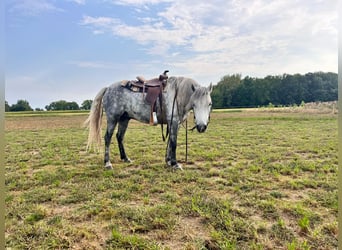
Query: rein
[[186, 140], [186, 125], [192, 129], [168, 130], [161, 111]]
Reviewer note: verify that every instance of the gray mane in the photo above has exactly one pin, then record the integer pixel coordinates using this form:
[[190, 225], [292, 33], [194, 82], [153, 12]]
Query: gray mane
[[200, 92], [185, 91], [184, 84]]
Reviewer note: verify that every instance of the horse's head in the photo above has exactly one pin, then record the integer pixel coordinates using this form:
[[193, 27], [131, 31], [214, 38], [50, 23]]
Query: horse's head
[[200, 103]]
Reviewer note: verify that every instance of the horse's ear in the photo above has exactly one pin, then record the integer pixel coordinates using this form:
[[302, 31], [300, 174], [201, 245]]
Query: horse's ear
[[210, 88], [193, 87]]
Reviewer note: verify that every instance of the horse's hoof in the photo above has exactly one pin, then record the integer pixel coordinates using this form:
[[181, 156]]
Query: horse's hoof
[[108, 166], [177, 166], [127, 160]]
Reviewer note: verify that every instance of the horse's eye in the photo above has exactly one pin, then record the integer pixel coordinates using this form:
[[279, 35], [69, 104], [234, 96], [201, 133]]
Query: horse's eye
[[210, 104]]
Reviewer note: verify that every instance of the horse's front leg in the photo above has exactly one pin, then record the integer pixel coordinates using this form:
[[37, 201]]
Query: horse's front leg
[[171, 151]]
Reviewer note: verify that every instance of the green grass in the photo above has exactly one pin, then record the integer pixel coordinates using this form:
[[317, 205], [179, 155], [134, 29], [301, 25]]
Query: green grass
[[255, 180], [46, 113]]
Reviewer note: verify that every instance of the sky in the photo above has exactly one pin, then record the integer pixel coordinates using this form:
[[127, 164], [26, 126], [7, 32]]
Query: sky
[[70, 49]]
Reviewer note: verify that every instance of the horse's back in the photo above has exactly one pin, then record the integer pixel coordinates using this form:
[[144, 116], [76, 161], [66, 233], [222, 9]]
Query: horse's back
[[119, 101], [111, 93]]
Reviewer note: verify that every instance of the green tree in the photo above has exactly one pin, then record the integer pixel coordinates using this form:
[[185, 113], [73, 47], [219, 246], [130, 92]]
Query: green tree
[[21, 105], [331, 86], [224, 91], [245, 95], [57, 105], [62, 105], [72, 106], [7, 107], [290, 91], [273, 82], [86, 105], [284, 89]]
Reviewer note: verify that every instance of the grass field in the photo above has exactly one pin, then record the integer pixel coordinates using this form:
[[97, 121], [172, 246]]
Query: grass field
[[255, 180]]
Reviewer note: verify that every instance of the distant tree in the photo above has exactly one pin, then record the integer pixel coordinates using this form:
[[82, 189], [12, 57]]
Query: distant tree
[[262, 92], [72, 106], [286, 89], [57, 105], [330, 85], [273, 82], [245, 94], [224, 91], [7, 107], [86, 105], [62, 105], [290, 91], [21, 105]]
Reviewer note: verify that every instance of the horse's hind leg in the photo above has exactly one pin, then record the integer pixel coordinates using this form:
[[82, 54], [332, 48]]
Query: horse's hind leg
[[108, 137], [123, 124]]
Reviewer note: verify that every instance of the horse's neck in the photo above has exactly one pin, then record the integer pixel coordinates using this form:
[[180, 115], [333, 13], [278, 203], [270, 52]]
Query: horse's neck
[[182, 89]]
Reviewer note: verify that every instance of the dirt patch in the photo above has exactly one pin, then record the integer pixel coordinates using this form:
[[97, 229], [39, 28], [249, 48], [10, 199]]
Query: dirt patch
[[41, 122], [189, 229]]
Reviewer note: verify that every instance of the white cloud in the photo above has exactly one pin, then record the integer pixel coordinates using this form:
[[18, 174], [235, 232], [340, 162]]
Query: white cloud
[[100, 25], [33, 8], [100, 22], [137, 2], [92, 64], [80, 2], [252, 37]]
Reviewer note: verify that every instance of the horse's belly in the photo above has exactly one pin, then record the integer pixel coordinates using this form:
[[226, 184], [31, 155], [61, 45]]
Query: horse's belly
[[138, 109]]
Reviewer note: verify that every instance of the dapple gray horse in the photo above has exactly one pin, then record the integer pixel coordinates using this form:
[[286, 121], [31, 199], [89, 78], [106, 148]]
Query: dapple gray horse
[[180, 96]]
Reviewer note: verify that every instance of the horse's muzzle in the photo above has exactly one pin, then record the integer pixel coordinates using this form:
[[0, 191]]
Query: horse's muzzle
[[201, 128]]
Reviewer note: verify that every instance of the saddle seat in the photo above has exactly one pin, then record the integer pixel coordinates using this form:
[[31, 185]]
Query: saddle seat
[[153, 89], [155, 82]]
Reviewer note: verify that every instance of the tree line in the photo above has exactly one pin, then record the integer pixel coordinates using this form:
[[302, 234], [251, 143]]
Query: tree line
[[23, 105], [282, 90], [235, 91]]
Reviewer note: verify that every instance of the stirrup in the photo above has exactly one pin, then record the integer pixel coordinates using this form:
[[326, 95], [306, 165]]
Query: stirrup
[[155, 119]]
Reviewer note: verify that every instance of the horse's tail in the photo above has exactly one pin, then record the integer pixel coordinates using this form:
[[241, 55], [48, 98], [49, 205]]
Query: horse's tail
[[94, 121]]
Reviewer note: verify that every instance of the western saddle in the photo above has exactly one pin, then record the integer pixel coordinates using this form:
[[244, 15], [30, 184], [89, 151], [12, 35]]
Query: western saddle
[[153, 89]]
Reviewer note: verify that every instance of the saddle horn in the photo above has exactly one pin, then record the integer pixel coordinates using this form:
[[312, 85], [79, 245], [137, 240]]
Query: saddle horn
[[164, 76]]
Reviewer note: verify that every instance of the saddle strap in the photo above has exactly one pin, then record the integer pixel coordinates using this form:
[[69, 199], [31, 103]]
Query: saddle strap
[[151, 98], [161, 111]]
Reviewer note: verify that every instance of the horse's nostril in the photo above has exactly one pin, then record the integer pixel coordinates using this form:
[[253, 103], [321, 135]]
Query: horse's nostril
[[201, 128]]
